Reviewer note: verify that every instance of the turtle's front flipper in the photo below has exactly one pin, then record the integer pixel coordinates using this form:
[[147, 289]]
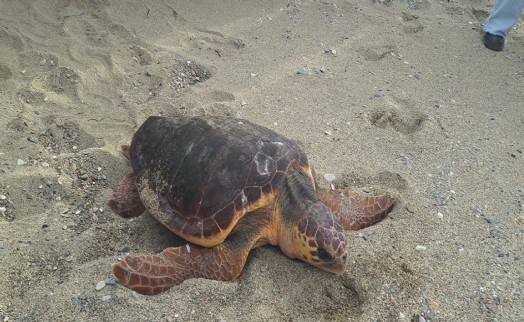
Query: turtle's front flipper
[[126, 201], [157, 273], [354, 210], [154, 274]]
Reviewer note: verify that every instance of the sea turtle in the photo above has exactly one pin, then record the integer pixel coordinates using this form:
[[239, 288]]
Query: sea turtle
[[226, 186]]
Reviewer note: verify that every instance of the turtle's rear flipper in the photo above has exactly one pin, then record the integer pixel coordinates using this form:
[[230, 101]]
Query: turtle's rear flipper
[[355, 210], [125, 200]]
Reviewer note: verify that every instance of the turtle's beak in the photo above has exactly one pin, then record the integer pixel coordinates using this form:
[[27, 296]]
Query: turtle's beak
[[337, 266]]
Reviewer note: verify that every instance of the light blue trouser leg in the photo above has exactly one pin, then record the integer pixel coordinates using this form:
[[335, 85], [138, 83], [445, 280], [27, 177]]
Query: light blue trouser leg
[[503, 17]]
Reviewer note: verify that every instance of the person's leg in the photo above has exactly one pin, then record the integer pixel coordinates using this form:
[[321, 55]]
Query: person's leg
[[503, 17]]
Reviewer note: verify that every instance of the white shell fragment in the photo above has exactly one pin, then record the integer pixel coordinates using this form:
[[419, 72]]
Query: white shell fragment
[[100, 285], [330, 177]]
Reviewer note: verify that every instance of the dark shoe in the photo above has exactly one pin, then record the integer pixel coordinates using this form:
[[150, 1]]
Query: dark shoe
[[493, 42]]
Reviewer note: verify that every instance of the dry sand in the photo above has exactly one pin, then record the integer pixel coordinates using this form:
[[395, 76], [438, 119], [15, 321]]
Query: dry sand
[[387, 95]]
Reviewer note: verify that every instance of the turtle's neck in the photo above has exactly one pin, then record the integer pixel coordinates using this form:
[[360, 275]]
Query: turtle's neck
[[297, 195], [298, 191]]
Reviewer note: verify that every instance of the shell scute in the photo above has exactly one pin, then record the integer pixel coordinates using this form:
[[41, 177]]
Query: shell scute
[[251, 194], [275, 148], [224, 217], [267, 188], [261, 171], [193, 227]]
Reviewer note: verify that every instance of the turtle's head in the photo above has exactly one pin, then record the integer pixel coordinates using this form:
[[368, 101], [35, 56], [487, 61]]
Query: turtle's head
[[318, 239]]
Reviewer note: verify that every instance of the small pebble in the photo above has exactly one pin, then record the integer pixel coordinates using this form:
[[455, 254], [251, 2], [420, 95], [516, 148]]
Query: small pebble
[[3, 197], [106, 298], [420, 248], [45, 164], [110, 281], [100, 285], [135, 295], [364, 236], [20, 162], [301, 71]]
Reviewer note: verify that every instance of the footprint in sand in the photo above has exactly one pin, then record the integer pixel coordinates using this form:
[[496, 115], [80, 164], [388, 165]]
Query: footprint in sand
[[5, 72], [220, 96], [64, 81], [33, 62], [11, 42], [411, 24], [141, 55], [65, 136], [398, 115], [213, 42], [60, 80], [214, 102], [10, 46], [31, 190], [376, 53]]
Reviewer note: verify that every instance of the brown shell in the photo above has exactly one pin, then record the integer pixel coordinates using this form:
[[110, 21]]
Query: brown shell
[[198, 176]]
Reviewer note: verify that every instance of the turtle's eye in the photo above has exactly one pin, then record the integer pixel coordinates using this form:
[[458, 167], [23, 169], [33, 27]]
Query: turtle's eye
[[325, 255]]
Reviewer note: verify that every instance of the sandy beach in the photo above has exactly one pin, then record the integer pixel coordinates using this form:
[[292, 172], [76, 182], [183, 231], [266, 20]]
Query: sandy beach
[[397, 96]]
